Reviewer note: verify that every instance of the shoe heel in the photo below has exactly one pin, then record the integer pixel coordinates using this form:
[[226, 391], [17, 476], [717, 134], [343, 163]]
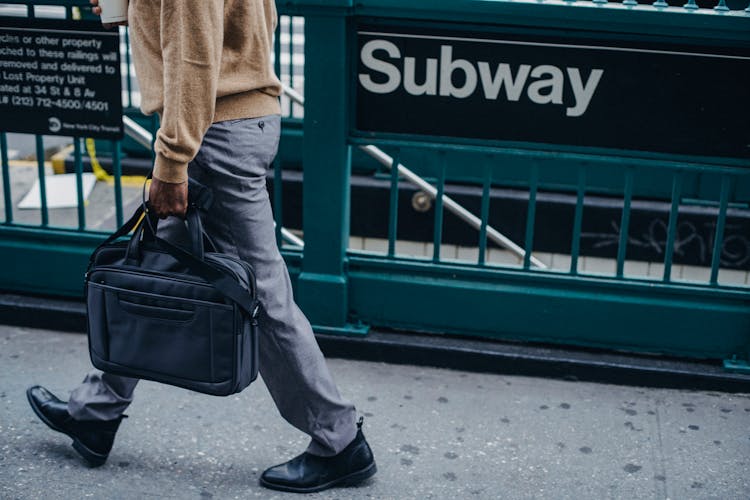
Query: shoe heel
[[93, 459], [360, 476]]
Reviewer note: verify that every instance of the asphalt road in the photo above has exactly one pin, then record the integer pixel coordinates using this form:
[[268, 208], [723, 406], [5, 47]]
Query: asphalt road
[[436, 433]]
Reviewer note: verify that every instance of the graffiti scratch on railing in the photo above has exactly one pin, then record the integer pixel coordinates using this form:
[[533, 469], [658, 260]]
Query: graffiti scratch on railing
[[690, 241]]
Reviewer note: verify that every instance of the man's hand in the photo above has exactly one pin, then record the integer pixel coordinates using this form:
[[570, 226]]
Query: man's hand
[[166, 198], [98, 11]]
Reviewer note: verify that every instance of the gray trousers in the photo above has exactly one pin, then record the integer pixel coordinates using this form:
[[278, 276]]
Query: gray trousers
[[232, 161]]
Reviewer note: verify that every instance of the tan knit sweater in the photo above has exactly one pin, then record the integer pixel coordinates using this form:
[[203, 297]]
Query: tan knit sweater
[[200, 62]]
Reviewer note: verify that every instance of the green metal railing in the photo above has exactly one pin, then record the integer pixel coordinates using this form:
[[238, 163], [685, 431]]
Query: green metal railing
[[348, 290], [47, 257], [343, 287]]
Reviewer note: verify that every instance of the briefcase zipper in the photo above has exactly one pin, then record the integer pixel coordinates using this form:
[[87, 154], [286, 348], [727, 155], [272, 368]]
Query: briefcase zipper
[[171, 276]]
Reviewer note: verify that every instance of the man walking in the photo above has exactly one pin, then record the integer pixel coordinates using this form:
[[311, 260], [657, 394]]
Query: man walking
[[204, 67]]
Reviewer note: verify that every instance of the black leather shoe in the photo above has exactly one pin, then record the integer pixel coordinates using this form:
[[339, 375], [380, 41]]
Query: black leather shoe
[[93, 439], [310, 473]]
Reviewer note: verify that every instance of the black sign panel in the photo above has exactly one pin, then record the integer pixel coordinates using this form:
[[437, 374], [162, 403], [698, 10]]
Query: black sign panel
[[60, 78], [546, 89]]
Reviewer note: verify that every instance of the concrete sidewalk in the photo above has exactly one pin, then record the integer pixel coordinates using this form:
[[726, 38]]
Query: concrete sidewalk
[[435, 433]]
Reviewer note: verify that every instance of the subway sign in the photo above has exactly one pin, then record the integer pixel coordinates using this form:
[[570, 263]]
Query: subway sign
[[544, 89]]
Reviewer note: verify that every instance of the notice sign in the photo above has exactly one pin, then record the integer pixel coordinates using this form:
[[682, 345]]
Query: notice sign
[[60, 78], [546, 89]]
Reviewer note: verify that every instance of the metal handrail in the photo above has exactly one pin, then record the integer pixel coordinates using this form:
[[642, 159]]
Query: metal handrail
[[462, 213], [145, 139]]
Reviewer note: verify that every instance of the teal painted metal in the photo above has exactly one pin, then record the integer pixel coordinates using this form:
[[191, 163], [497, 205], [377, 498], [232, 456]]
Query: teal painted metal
[[45, 259], [128, 73], [734, 364], [485, 216], [672, 229], [720, 223], [437, 237], [610, 18], [557, 171], [586, 314], [582, 310], [117, 172], [322, 287], [5, 166], [393, 206], [531, 217], [328, 7], [576, 249], [722, 7], [49, 262], [636, 316], [79, 184], [625, 222], [592, 158], [42, 177]]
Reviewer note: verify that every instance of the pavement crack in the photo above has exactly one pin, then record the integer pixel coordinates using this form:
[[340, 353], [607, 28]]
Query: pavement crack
[[657, 457]]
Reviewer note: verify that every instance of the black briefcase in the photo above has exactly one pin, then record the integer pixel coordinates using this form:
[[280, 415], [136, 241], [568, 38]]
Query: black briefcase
[[158, 311]]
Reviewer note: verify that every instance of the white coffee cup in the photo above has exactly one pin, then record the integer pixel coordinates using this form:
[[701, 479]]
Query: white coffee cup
[[114, 11]]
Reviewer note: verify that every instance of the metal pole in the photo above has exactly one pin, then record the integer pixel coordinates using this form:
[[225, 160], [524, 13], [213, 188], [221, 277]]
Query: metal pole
[[137, 133]]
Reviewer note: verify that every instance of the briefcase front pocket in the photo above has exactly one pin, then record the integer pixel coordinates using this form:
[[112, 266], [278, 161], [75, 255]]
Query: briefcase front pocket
[[154, 335]]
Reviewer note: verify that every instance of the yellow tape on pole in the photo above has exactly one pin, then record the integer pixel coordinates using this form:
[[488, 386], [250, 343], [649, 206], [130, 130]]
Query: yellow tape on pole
[[102, 175]]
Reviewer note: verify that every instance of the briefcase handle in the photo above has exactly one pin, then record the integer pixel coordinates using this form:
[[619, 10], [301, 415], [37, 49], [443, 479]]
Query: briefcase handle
[[196, 239], [200, 197], [147, 229]]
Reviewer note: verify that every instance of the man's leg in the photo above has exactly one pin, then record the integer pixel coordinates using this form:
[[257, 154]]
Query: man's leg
[[101, 396], [92, 415], [232, 162]]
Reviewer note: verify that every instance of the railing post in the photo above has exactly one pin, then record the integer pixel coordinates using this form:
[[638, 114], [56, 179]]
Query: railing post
[[322, 290]]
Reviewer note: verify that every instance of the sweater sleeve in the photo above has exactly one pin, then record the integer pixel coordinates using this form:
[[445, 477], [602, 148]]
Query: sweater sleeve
[[192, 33]]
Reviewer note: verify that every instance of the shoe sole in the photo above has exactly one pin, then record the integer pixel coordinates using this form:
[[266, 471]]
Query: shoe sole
[[93, 458], [352, 479]]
